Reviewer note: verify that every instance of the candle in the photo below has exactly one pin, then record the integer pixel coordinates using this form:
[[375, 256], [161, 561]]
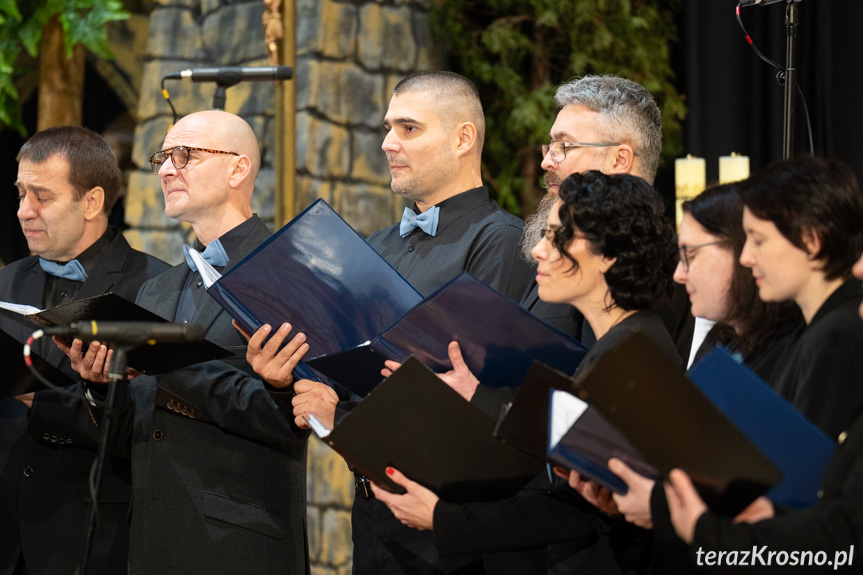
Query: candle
[[690, 179], [733, 168]]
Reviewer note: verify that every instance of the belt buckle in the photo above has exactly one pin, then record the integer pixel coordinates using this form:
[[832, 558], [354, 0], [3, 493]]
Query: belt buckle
[[363, 486]]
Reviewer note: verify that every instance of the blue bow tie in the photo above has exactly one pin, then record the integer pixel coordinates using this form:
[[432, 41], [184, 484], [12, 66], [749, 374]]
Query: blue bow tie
[[72, 270], [426, 221], [214, 254]]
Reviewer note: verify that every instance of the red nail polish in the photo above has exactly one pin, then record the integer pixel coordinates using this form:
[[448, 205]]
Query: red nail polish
[[390, 470]]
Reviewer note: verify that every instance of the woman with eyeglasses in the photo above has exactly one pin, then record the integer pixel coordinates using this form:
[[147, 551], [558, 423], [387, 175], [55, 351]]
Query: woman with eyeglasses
[[721, 290], [609, 251], [803, 220]]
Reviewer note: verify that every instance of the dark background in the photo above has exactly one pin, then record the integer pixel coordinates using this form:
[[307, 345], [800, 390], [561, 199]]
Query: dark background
[[734, 102]]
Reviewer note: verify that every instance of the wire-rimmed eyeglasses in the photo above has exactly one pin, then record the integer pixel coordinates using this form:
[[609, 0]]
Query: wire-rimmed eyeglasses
[[558, 148], [686, 257]]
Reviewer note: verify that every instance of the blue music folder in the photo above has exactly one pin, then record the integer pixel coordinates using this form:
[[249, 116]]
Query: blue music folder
[[320, 275], [790, 441], [499, 339]]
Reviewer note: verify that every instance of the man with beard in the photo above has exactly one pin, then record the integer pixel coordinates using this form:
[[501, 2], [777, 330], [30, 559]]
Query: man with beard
[[605, 123], [613, 125]]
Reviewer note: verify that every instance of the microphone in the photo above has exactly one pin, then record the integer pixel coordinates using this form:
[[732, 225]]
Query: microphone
[[745, 3], [234, 75], [129, 332]]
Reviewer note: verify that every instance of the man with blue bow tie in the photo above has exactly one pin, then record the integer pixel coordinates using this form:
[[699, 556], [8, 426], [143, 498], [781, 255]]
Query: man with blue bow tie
[[68, 180], [434, 137], [218, 465]]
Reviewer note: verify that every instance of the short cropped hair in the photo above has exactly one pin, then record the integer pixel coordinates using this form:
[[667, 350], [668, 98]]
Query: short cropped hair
[[622, 217], [456, 96], [808, 194], [91, 160], [719, 210], [628, 114]]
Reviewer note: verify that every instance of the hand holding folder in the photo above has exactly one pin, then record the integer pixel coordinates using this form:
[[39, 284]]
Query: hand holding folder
[[415, 423]]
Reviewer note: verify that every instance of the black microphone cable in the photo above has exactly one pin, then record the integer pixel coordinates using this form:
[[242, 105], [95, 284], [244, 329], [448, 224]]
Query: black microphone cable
[[780, 77]]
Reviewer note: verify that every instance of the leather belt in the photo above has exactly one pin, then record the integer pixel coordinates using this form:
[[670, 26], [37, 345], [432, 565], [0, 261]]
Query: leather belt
[[363, 486]]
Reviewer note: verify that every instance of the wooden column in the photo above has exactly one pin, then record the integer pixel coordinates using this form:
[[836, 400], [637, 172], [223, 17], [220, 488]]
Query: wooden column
[[285, 158], [61, 80]]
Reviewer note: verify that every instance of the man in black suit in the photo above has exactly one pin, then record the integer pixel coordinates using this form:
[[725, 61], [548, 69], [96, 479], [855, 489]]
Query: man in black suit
[[68, 180], [218, 465]]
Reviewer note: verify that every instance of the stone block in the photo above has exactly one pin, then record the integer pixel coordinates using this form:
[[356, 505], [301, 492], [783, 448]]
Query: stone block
[[186, 96], [249, 99], [366, 207], [164, 244], [330, 483], [326, 149], [337, 547], [145, 204], [346, 94], [426, 55], [308, 19], [382, 42], [149, 136], [302, 81], [234, 35], [174, 33], [313, 524], [263, 198], [337, 35], [369, 161]]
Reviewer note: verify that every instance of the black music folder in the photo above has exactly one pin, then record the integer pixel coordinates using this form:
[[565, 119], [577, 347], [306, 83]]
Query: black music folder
[[149, 359], [416, 423], [668, 420], [584, 441]]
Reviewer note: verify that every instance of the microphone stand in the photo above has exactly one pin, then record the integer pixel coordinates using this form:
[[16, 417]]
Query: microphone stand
[[219, 95], [791, 21], [117, 375]]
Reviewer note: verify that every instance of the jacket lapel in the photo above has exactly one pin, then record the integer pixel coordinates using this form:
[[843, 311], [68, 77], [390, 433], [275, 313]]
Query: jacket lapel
[[210, 309]]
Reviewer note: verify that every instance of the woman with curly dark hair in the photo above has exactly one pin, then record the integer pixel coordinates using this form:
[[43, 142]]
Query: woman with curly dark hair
[[609, 251]]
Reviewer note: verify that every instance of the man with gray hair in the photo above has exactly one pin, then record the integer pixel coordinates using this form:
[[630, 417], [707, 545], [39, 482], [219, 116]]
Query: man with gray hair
[[613, 125], [605, 123]]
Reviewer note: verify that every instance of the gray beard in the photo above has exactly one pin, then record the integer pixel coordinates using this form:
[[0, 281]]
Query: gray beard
[[534, 226]]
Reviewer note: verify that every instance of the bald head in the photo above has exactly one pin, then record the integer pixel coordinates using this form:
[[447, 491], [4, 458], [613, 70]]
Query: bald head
[[228, 132], [213, 184], [456, 99]]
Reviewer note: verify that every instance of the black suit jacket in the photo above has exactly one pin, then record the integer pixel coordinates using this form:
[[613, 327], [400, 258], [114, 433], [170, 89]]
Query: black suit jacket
[[218, 481], [44, 479]]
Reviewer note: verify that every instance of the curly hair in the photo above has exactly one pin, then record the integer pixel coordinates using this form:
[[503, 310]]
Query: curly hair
[[622, 217], [719, 210]]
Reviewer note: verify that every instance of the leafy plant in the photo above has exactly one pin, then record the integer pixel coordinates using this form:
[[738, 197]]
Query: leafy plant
[[519, 51], [21, 25]]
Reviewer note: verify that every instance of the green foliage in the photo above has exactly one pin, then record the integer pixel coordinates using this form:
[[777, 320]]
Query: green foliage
[[21, 24], [519, 51]]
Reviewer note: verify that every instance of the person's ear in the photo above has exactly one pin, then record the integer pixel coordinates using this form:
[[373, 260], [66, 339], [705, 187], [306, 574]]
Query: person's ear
[[94, 202], [468, 138], [811, 242], [606, 263], [241, 168], [623, 161]]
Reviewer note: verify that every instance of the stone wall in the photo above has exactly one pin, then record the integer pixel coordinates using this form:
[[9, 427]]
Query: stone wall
[[349, 55]]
